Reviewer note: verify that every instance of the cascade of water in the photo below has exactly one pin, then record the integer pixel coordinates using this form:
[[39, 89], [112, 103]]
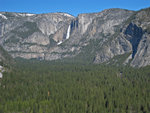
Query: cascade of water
[[59, 43], [68, 33]]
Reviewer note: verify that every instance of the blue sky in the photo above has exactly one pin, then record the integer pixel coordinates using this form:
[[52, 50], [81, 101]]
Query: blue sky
[[73, 7]]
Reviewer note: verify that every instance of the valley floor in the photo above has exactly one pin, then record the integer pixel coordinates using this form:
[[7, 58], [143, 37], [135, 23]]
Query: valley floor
[[50, 87]]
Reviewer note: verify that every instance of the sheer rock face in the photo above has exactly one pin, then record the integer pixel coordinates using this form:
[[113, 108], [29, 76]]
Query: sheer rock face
[[134, 35], [141, 38], [38, 38], [118, 46], [30, 35], [102, 35], [142, 57]]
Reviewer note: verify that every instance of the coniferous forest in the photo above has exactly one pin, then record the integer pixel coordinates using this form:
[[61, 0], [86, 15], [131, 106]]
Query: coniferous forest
[[55, 87]]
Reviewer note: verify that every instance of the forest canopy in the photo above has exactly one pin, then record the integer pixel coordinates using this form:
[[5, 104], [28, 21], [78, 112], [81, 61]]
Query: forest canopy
[[56, 87]]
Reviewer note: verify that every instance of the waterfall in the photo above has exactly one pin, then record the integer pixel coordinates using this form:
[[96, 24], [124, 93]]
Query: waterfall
[[68, 33], [67, 36], [59, 43]]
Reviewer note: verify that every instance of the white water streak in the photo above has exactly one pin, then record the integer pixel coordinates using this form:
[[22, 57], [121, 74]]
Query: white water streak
[[68, 33], [59, 43]]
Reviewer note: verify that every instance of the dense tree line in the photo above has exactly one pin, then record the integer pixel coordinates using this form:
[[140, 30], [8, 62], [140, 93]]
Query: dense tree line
[[50, 87]]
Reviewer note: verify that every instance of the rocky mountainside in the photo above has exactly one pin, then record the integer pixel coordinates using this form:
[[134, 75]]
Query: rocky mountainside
[[110, 36], [6, 61]]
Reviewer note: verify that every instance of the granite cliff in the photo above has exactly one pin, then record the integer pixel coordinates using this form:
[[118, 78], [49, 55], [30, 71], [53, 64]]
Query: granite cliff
[[93, 37]]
